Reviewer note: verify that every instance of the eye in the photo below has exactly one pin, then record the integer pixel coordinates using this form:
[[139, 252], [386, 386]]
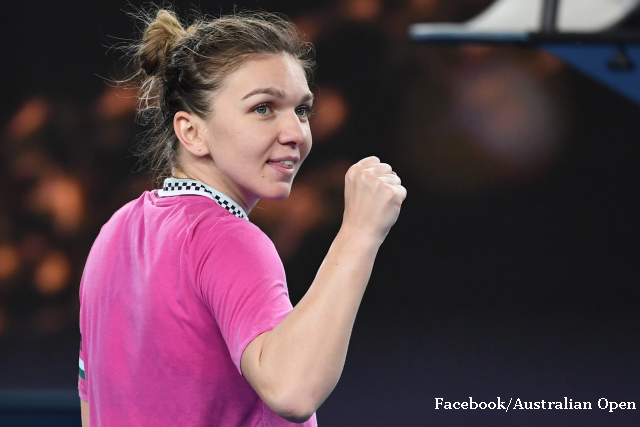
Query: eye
[[262, 109], [304, 111]]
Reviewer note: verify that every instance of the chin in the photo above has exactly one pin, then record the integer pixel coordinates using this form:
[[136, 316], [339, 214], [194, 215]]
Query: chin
[[280, 193]]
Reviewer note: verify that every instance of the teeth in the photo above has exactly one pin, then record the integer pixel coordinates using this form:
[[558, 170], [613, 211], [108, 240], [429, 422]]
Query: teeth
[[287, 162]]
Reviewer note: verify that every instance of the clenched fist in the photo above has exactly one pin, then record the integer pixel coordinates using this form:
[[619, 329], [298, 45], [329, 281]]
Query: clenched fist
[[373, 195]]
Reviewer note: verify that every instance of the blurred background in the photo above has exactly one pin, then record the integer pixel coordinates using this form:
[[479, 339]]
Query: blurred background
[[513, 270]]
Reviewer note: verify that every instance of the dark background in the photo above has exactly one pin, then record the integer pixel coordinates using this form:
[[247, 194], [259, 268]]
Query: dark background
[[512, 270]]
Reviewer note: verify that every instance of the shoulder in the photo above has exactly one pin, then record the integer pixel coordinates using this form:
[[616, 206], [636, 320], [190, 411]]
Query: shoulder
[[125, 213], [233, 250], [230, 234]]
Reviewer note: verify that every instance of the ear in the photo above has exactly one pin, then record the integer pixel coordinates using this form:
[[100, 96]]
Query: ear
[[189, 129]]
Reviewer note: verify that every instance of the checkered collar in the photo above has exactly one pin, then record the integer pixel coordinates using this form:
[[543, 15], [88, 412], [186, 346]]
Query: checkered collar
[[185, 186]]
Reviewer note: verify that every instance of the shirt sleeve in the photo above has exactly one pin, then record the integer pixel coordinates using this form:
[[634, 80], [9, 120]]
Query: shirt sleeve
[[240, 277], [82, 359], [82, 382]]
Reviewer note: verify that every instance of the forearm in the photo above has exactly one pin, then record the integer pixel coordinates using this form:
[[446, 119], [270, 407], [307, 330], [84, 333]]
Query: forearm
[[84, 413], [296, 365], [305, 354]]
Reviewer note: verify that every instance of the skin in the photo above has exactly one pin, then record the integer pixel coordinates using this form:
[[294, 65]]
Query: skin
[[259, 114], [84, 412]]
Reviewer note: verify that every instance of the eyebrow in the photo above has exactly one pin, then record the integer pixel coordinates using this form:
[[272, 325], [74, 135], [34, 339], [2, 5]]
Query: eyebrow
[[274, 92]]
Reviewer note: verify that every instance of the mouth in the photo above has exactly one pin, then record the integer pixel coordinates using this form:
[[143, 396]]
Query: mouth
[[285, 165]]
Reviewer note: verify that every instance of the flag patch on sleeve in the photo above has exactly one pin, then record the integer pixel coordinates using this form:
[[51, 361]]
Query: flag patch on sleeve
[[81, 370]]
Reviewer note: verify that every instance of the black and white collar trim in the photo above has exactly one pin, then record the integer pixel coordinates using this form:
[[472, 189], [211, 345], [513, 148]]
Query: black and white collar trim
[[186, 186]]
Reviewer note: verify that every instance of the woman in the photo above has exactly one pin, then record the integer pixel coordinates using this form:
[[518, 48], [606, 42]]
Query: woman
[[185, 316]]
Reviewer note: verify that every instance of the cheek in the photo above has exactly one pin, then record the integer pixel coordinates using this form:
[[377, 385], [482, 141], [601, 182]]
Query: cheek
[[230, 143], [307, 146]]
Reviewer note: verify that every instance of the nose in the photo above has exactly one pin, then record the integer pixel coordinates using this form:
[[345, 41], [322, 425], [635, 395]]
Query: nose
[[293, 130]]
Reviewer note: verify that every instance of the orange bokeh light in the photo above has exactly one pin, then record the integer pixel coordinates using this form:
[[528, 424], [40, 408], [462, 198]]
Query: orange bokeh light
[[331, 113], [53, 273], [116, 102], [9, 261], [29, 118], [62, 197], [363, 10], [309, 26]]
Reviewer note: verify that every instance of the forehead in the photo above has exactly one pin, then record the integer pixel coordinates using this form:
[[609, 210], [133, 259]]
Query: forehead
[[282, 72]]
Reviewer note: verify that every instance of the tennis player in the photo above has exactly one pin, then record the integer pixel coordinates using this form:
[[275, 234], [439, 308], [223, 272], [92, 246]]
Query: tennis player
[[185, 315]]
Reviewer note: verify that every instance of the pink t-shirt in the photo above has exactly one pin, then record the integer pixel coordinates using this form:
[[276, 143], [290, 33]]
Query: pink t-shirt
[[173, 291]]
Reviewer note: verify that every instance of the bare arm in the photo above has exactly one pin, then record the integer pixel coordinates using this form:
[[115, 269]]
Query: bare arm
[[84, 411], [295, 367]]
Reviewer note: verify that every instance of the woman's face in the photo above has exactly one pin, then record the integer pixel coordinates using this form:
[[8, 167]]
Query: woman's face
[[258, 134]]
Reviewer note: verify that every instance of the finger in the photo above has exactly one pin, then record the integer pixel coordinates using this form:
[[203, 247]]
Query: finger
[[381, 168], [391, 179], [401, 191], [368, 162]]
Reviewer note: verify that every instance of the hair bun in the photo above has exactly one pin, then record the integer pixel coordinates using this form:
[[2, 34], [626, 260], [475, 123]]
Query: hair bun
[[159, 38]]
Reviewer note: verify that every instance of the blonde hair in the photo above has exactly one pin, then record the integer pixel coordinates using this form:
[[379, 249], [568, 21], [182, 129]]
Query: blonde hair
[[179, 69]]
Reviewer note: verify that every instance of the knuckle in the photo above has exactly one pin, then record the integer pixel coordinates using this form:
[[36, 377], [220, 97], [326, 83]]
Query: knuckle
[[352, 172], [402, 192], [389, 191], [366, 174], [379, 183]]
